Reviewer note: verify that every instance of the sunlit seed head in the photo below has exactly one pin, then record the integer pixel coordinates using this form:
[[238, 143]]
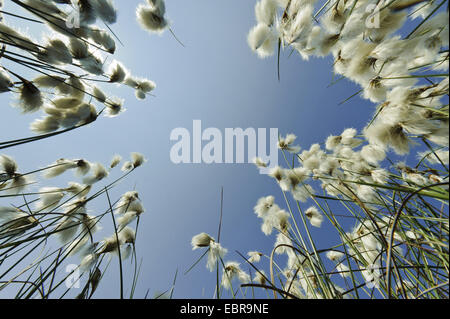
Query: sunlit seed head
[[259, 162], [98, 172], [88, 261], [215, 253], [127, 166], [334, 255], [263, 206], [114, 107], [105, 10], [30, 98], [137, 159], [109, 245], [277, 173], [78, 48], [201, 240], [117, 72], [49, 197], [99, 95], [6, 82], [8, 165], [232, 270], [314, 216], [254, 256], [260, 277], [115, 161], [127, 235], [83, 167], [78, 189], [151, 18], [126, 219], [59, 167]]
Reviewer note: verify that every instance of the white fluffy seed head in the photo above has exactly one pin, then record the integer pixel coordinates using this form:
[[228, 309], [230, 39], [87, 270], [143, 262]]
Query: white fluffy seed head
[[201, 240], [151, 19], [314, 216], [261, 40]]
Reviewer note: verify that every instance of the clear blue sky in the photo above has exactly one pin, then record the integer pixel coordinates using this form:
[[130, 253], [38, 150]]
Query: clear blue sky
[[217, 79]]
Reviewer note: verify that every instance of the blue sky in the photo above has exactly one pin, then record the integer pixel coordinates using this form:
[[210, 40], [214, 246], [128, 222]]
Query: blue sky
[[218, 80]]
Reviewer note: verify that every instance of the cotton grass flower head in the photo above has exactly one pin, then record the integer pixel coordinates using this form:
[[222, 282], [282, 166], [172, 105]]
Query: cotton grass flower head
[[8, 33], [276, 219], [14, 218], [201, 240], [8, 165], [372, 275], [259, 162], [265, 11], [332, 142], [105, 10], [59, 167], [98, 172], [380, 175], [254, 256], [151, 16], [264, 205], [314, 216], [373, 153], [302, 193], [117, 72], [137, 159], [99, 95], [12, 181], [129, 216], [90, 225], [127, 166], [334, 255], [19, 183], [215, 251], [88, 261], [104, 39], [343, 270], [277, 173], [436, 157], [6, 82], [68, 227], [49, 198], [126, 200], [260, 277], [232, 270], [261, 39], [45, 125], [56, 51], [78, 189], [283, 244], [92, 64], [142, 86], [127, 235], [77, 246], [115, 161], [286, 144], [30, 98], [114, 106], [109, 245]]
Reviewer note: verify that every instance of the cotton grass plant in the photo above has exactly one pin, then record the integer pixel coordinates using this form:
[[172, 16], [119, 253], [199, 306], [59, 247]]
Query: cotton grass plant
[[389, 218], [61, 77]]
